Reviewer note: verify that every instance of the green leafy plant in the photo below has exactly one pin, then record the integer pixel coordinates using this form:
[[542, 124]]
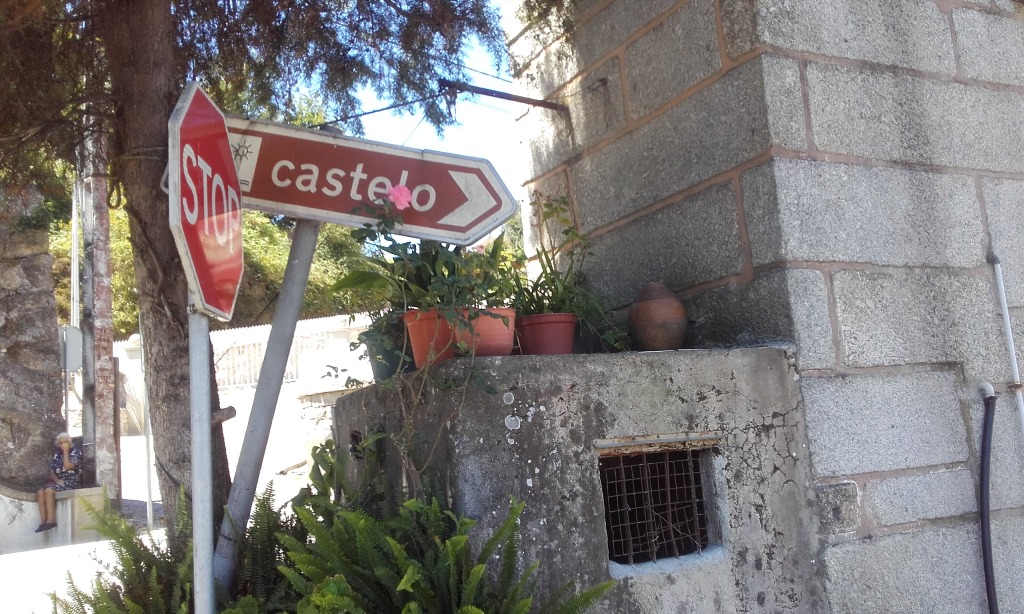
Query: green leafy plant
[[558, 286], [355, 550], [417, 561], [460, 284], [37, 218], [347, 549], [261, 554], [145, 577]]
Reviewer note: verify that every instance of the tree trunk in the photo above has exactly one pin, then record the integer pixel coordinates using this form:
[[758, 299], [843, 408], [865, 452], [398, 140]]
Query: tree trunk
[[138, 36]]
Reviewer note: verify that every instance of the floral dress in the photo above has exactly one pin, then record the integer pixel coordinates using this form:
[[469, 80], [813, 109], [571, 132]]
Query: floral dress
[[72, 478]]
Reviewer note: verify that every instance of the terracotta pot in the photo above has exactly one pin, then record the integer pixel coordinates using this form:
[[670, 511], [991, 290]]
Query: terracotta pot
[[430, 336], [547, 333], [657, 319], [492, 333]]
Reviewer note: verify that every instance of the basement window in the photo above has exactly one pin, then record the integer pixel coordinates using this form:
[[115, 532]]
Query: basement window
[[656, 500]]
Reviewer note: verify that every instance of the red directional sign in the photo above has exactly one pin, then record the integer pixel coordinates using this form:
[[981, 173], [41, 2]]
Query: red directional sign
[[318, 175], [205, 203]]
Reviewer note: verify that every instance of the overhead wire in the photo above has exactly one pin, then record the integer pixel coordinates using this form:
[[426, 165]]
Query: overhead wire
[[423, 116], [397, 105]]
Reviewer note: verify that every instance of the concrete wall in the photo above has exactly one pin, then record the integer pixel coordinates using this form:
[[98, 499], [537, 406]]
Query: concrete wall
[[832, 173], [534, 436]]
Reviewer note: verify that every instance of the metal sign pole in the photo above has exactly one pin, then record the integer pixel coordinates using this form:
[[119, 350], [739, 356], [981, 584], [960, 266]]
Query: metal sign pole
[[268, 390], [202, 461]]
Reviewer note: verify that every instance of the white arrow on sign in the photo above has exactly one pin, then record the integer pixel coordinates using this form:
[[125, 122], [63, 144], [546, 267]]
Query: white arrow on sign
[[477, 199]]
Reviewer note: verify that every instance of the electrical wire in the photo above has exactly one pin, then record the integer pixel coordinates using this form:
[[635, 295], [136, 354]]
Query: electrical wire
[[415, 128], [397, 105]]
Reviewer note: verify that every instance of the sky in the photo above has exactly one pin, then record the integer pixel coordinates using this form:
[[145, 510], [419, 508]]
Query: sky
[[487, 128]]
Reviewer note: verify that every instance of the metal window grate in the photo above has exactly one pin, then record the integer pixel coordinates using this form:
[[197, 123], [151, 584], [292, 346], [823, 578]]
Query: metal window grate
[[654, 505]]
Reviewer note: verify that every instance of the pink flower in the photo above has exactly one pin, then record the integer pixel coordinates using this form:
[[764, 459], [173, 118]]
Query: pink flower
[[400, 197]]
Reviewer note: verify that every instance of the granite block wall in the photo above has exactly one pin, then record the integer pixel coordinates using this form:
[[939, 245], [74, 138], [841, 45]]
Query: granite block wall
[[30, 371], [831, 173]]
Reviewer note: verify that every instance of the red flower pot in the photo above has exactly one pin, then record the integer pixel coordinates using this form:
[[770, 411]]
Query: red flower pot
[[547, 333]]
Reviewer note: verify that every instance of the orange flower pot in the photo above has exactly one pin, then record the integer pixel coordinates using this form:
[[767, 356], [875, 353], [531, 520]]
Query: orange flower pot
[[492, 333], [430, 336]]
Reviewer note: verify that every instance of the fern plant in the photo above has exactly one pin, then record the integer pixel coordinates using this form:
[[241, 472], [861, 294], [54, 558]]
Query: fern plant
[[261, 554], [419, 561], [144, 578]]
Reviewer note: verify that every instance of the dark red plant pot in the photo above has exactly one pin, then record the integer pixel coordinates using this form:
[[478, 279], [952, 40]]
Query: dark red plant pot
[[547, 333]]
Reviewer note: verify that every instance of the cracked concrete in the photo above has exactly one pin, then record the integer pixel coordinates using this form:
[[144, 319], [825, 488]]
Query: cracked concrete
[[539, 436]]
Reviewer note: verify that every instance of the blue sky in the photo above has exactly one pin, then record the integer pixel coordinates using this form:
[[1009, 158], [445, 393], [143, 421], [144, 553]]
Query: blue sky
[[487, 128]]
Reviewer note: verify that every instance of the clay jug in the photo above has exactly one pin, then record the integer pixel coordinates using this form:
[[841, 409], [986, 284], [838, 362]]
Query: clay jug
[[657, 319]]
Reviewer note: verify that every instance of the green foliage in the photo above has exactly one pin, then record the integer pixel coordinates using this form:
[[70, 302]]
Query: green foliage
[[260, 586], [459, 283], [255, 60], [266, 247], [261, 554], [330, 489], [559, 286], [38, 218], [345, 550], [417, 561], [559, 13], [431, 275], [123, 287], [145, 578], [361, 553]]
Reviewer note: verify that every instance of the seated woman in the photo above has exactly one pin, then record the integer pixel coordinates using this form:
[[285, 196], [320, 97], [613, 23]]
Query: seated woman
[[65, 474]]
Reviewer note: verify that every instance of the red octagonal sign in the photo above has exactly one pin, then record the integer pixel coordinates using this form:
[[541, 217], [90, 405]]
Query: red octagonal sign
[[205, 203]]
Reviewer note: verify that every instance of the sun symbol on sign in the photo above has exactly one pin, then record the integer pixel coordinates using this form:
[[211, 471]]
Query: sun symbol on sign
[[241, 150]]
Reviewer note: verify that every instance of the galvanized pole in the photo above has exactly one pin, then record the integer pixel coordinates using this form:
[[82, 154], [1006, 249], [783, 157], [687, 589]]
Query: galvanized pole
[[268, 389], [77, 198], [202, 460], [147, 430]]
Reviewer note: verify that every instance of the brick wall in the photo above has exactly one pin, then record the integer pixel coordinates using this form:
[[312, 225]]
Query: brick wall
[[833, 173]]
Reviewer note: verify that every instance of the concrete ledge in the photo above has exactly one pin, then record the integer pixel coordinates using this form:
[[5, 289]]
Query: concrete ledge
[[73, 519]]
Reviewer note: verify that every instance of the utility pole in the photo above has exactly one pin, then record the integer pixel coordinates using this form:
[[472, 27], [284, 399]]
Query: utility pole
[[99, 374]]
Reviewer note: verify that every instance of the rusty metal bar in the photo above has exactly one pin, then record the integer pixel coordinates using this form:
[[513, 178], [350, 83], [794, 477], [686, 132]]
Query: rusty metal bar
[[483, 91]]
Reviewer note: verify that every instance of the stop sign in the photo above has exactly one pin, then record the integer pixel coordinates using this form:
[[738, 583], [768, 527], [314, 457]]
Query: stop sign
[[205, 203]]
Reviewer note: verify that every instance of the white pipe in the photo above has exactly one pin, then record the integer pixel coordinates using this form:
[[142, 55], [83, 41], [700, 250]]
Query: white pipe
[[1008, 330]]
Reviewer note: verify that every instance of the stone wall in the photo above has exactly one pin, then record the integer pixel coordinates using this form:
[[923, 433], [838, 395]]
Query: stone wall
[[834, 173], [30, 375]]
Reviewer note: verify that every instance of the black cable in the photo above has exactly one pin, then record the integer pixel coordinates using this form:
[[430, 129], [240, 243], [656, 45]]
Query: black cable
[[387, 108], [984, 505]]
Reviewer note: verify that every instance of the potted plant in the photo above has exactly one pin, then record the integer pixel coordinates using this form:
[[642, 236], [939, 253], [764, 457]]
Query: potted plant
[[440, 292], [554, 304], [385, 343], [463, 288], [486, 327]]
